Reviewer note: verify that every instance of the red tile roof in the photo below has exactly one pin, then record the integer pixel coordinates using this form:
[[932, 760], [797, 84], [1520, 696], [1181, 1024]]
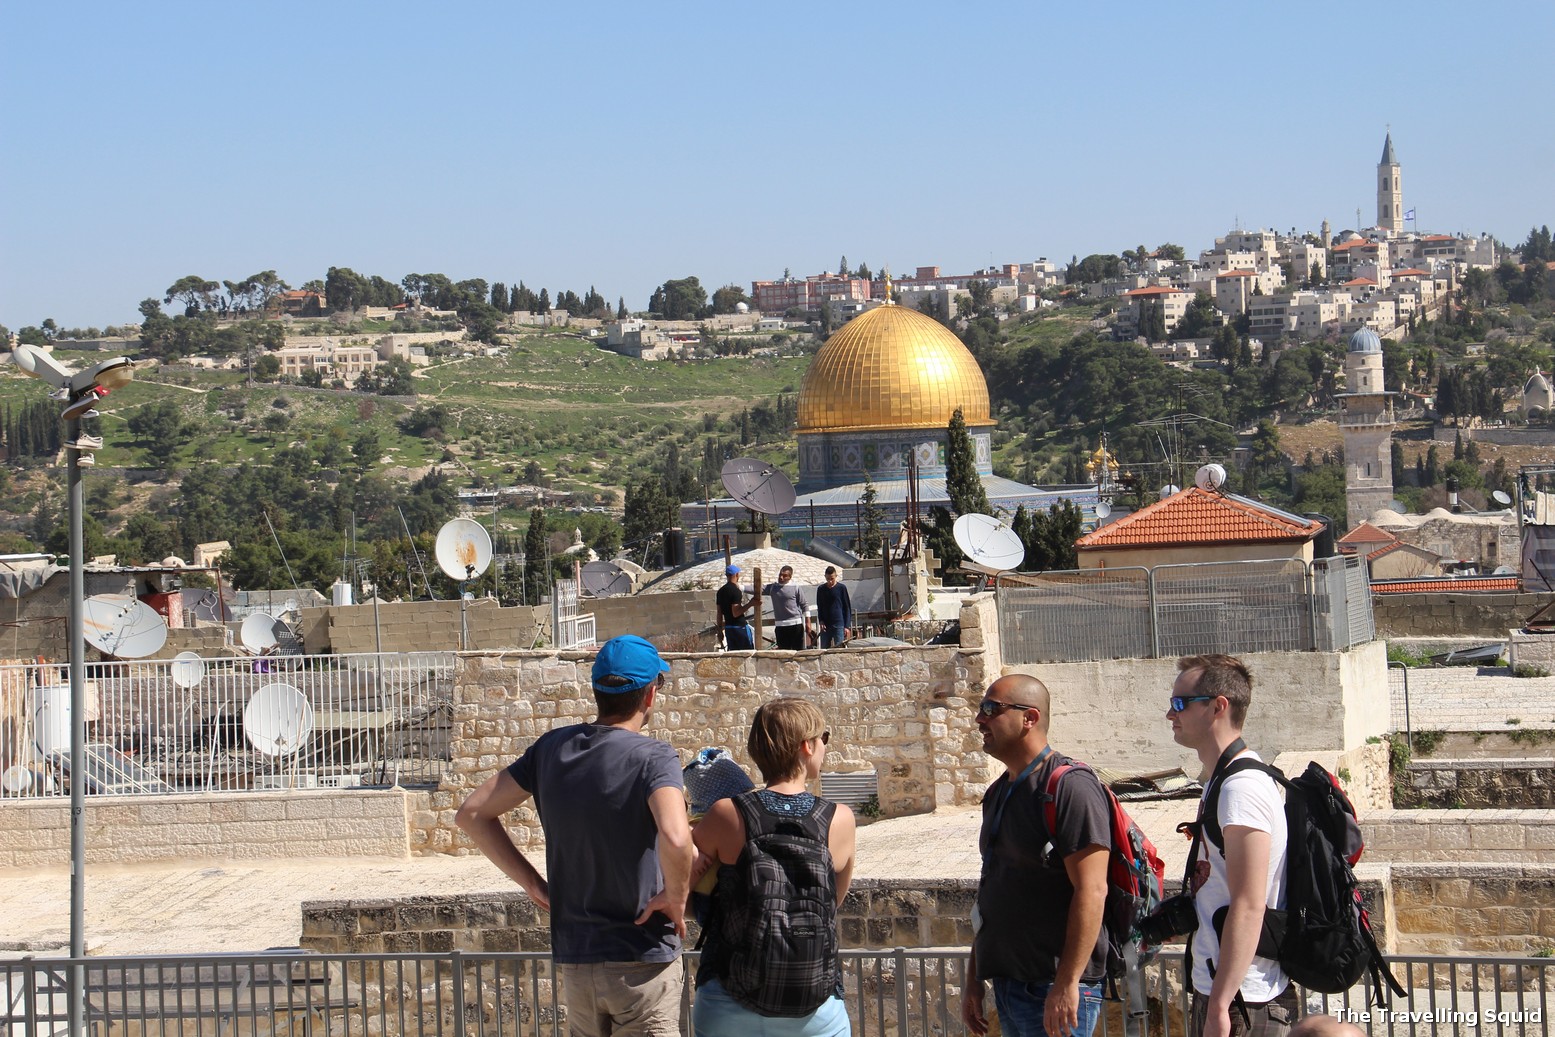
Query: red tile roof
[[1155, 289], [1437, 237], [1366, 533], [1358, 243], [1411, 272], [1195, 516], [1360, 280], [1448, 585]]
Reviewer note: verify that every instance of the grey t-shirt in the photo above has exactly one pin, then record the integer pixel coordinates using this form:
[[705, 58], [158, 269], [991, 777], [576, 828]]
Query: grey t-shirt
[[1024, 895], [591, 784]]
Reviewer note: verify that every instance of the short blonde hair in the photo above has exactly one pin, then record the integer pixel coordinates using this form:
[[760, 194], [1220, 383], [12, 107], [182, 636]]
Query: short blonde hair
[[778, 731]]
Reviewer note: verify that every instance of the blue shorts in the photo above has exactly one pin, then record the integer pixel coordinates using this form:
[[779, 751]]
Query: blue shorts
[[716, 1014], [739, 638]]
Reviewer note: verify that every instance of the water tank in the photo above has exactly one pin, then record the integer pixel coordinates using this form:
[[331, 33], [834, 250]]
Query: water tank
[[340, 593], [674, 547]]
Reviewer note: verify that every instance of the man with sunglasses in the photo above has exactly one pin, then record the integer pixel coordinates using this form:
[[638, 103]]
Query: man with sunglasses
[[1234, 990], [1037, 932]]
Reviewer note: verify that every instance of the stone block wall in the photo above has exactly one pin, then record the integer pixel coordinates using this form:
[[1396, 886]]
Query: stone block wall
[[1475, 908], [422, 626], [1478, 784], [672, 614], [243, 826], [904, 713], [1460, 836], [1453, 615]]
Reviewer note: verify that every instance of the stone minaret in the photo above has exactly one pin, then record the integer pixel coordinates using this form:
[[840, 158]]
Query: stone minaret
[[1390, 191], [1366, 419]]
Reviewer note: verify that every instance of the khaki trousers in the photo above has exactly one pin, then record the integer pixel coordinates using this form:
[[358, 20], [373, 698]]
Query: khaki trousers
[[623, 998]]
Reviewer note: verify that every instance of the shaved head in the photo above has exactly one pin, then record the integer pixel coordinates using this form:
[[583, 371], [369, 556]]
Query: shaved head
[[1028, 691]]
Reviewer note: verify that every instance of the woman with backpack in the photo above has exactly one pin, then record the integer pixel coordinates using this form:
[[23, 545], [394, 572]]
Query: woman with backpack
[[769, 959]]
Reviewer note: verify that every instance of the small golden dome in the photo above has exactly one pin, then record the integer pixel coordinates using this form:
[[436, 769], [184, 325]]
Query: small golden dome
[[892, 367]]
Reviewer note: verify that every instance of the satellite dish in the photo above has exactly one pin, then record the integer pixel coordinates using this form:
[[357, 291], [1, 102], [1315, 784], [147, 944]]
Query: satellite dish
[[278, 720], [989, 543], [123, 626], [1103, 510], [51, 718], [1397, 506], [1501, 497], [606, 579], [759, 486], [1210, 477], [16, 780], [258, 632], [1169, 489], [463, 549], [188, 669]]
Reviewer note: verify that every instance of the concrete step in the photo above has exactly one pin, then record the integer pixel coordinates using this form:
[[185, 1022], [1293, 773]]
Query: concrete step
[[1459, 836]]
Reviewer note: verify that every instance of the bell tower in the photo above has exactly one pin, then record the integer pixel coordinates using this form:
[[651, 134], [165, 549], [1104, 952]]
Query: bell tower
[[1390, 191], [1366, 419]]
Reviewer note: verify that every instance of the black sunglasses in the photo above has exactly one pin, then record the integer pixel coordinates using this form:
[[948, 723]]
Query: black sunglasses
[[1180, 702], [990, 708], [824, 736]]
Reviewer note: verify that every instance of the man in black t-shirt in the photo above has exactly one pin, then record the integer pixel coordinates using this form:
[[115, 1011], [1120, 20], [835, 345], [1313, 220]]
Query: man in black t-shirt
[[1037, 922], [734, 630]]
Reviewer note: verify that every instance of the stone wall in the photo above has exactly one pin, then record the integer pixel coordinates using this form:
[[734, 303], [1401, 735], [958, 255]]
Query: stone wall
[[1112, 713], [242, 826], [670, 615], [1459, 836], [903, 713], [1453, 615], [1484, 784], [1475, 908], [422, 626]]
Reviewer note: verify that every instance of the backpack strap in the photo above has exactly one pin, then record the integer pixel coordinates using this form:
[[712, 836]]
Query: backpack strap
[[1209, 820], [1050, 794]]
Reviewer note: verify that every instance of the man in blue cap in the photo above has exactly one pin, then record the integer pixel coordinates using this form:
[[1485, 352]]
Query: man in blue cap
[[618, 850], [734, 630]]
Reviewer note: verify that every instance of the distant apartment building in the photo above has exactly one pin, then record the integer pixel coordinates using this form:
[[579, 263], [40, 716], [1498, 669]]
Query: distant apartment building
[[1234, 292], [1174, 304], [347, 361], [1350, 258], [299, 304], [636, 339], [809, 293]]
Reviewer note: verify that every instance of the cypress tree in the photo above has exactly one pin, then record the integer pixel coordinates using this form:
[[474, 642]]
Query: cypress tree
[[962, 483]]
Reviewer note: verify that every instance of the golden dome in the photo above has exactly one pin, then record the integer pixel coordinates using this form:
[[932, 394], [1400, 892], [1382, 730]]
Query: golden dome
[[892, 367]]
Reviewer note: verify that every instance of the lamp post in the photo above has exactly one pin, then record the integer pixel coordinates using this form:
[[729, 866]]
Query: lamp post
[[78, 390]]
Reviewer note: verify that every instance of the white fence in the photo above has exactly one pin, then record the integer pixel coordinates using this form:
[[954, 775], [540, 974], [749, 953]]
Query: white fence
[[230, 724]]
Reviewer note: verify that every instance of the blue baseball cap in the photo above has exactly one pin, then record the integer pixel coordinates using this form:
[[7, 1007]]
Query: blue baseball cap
[[731, 570], [631, 657]]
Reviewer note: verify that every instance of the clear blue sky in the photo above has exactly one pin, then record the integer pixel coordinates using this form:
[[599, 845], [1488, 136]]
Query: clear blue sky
[[621, 144]]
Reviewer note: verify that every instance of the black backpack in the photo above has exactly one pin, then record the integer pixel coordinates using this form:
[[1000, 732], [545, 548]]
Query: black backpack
[[772, 939], [1323, 939]]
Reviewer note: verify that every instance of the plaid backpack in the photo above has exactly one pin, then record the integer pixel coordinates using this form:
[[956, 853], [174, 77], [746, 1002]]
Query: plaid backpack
[[773, 943]]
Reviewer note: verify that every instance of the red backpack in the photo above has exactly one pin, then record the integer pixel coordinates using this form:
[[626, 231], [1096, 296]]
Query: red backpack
[[1135, 876]]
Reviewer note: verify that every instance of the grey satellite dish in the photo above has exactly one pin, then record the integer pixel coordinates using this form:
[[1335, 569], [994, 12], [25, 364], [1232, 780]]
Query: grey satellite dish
[[1397, 506], [1103, 510], [278, 720], [463, 549], [258, 633], [1501, 497], [606, 579], [188, 669], [1210, 477], [123, 626], [988, 543], [1169, 489], [759, 486]]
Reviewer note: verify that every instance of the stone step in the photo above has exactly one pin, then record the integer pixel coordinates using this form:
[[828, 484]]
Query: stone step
[[1460, 836]]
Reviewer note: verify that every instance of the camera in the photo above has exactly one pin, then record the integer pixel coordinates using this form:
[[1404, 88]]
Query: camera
[[1175, 917]]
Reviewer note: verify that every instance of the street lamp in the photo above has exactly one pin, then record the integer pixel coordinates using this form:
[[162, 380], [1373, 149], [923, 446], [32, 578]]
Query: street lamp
[[78, 390]]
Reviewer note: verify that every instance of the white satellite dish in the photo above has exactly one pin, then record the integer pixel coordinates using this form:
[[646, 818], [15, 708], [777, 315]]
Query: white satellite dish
[[16, 780], [1169, 489], [1501, 497], [258, 633], [988, 543], [1103, 509], [123, 626], [463, 549], [51, 718], [278, 720], [188, 669], [1210, 477]]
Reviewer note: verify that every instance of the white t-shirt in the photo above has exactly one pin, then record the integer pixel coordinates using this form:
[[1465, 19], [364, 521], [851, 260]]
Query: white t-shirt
[[1253, 800]]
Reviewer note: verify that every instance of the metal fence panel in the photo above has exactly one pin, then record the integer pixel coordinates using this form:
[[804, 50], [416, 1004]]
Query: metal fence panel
[[1232, 607], [1076, 615], [890, 993], [375, 720]]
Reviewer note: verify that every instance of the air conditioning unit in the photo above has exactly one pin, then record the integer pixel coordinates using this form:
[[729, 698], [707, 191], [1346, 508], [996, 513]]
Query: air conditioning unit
[[340, 781]]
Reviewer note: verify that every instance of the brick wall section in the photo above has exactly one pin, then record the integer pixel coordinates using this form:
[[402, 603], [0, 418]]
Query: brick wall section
[[1478, 784], [1453, 615], [671, 614], [246, 826], [1475, 908], [904, 713]]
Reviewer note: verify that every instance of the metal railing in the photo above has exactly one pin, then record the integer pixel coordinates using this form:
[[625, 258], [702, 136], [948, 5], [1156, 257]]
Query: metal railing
[[231, 724], [1398, 701], [1278, 605], [897, 993]]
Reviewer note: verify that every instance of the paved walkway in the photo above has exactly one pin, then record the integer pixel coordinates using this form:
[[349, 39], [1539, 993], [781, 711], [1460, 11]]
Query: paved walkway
[[251, 905]]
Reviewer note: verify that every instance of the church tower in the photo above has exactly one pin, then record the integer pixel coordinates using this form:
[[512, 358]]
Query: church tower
[[1390, 191], [1366, 419]]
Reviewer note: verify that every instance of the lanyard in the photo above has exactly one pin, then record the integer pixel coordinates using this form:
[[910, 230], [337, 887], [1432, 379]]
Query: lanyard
[[997, 819]]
